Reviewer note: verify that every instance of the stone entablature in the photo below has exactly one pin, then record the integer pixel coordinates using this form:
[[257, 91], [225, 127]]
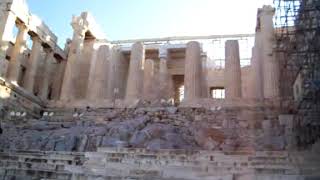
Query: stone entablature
[[19, 9]]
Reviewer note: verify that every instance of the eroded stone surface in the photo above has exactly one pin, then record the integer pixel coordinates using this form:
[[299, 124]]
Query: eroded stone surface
[[151, 128]]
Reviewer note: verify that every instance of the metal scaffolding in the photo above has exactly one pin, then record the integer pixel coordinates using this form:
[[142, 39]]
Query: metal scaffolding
[[298, 38]]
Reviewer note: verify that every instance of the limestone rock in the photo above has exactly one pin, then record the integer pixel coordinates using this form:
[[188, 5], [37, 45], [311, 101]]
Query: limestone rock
[[159, 144], [139, 138], [113, 142], [172, 110], [209, 138], [82, 142], [65, 143]]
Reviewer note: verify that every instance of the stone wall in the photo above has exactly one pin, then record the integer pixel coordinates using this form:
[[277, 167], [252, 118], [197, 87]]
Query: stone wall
[[15, 102], [216, 78], [150, 127]]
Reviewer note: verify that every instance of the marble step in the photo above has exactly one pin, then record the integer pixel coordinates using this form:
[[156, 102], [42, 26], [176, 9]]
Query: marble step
[[21, 174], [52, 158]]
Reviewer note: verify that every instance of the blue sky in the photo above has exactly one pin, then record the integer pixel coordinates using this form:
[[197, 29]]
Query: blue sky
[[131, 19]]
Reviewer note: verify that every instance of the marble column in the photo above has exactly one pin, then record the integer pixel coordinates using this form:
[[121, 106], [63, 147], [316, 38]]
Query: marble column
[[33, 64], [270, 63], [118, 74], [135, 76], [57, 79], [7, 23], [193, 72], [47, 73], [205, 88], [98, 80], [59, 73], [148, 80], [13, 73], [165, 79], [256, 73], [68, 91], [83, 65], [232, 70]]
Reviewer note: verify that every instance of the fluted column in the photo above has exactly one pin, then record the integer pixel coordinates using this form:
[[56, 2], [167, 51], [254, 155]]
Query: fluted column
[[33, 64], [57, 79], [256, 72], [205, 88], [98, 80], [13, 73], [165, 79], [48, 73], [82, 72], [7, 23], [118, 74], [135, 77], [193, 71], [68, 91], [270, 64], [232, 70], [148, 80]]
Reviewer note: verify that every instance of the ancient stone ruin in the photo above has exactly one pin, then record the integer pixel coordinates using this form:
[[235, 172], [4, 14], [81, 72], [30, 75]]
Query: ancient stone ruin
[[150, 109]]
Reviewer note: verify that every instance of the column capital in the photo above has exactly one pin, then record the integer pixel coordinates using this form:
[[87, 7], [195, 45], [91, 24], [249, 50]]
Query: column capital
[[35, 38], [266, 10], [163, 52], [79, 25], [48, 50], [21, 26]]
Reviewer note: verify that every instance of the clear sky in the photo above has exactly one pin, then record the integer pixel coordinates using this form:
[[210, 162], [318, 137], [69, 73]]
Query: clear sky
[[132, 19]]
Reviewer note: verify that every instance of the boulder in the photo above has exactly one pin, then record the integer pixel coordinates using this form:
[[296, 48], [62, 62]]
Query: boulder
[[157, 144], [65, 143], [172, 110], [209, 138], [113, 142], [139, 138], [157, 130]]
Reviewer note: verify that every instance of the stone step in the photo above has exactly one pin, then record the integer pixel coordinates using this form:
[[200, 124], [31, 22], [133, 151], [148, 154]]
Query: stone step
[[111, 163], [148, 164], [22, 174], [200, 162], [190, 154], [30, 166], [236, 162], [54, 159], [193, 173]]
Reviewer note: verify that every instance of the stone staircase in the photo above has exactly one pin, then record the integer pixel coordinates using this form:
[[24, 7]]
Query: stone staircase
[[37, 165], [190, 165], [142, 164]]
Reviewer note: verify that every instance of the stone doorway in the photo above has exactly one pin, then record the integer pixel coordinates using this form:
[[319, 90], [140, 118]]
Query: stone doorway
[[178, 85]]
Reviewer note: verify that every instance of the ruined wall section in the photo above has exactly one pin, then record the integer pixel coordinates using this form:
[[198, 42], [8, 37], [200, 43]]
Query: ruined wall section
[[227, 129], [17, 103], [33, 70]]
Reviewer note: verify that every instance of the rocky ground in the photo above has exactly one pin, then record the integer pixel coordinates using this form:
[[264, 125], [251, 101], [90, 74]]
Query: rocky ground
[[151, 128]]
